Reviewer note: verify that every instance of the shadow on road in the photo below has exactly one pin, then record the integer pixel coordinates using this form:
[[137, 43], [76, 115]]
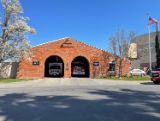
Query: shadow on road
[[123, 105], [147, 83]]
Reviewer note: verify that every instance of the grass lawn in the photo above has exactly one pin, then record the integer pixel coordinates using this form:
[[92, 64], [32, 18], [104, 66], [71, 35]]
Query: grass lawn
[[132, 78], [13, 80]]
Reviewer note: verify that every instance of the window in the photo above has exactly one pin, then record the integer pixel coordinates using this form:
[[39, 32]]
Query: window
[[112, 66]]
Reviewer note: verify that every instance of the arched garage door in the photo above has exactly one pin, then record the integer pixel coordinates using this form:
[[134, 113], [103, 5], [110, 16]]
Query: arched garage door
[[54, 67], [80, 67]]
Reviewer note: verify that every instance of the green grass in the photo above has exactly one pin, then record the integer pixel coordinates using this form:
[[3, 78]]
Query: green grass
[[13, 80], [131, 78]]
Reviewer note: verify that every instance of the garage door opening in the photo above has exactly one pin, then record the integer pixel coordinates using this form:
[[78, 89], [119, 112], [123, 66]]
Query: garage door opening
[[80, 67], [54, 67]]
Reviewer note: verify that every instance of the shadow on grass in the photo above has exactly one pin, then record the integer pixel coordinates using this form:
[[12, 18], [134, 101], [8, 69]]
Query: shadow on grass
[[123, 105]]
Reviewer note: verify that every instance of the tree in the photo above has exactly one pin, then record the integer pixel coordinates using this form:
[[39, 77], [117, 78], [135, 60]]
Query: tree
[[119, 47], [14, 28], [157, 47], [13, 32]]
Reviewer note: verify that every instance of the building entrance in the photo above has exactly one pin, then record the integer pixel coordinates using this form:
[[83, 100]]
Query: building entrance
[[80, 67], [54, 67]]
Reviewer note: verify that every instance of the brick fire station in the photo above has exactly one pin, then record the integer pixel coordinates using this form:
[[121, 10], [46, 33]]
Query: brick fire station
[[67, 58]]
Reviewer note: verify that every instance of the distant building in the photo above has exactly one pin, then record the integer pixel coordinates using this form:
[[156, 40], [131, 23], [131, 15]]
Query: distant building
[[142, 60], [8, 69], [132, 52]]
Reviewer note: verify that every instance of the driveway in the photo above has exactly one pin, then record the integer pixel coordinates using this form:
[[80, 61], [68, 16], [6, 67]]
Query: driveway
[[79, 100]]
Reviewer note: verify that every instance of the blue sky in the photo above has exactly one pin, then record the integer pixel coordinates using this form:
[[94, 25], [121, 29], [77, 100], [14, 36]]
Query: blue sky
[[89, 21]]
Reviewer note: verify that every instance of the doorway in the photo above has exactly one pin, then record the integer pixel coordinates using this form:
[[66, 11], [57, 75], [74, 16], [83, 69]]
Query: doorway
[[54, 67], [80, 67]]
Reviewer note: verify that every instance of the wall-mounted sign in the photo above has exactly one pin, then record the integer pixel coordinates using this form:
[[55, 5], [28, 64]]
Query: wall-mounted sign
[[67, 69], [66, 44], [95, 63], [35, 63]]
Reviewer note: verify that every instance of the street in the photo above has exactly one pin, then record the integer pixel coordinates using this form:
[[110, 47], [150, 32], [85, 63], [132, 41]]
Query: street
[[79, 100]]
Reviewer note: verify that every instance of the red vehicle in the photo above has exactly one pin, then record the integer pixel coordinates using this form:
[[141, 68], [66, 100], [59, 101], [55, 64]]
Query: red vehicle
[[156, 76], [78, 70]]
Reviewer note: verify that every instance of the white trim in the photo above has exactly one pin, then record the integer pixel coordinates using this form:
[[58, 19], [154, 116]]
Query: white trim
[[72, 39], [50, 42]]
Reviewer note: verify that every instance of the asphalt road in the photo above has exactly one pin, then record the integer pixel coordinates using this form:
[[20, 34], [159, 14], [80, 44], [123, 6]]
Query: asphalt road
[[43, 101]]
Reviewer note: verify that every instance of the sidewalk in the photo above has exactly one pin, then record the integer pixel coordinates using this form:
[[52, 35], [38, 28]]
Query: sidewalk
[[51, 82]]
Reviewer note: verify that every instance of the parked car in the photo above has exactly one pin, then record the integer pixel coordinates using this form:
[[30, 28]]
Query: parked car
[[155, 77], [137, 72]]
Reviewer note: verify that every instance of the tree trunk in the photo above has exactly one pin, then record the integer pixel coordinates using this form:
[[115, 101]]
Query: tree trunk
[[120, 69]]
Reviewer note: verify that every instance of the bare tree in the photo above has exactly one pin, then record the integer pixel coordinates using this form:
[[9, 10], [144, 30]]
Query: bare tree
[[119, 47], [13, 31], [132, 37]]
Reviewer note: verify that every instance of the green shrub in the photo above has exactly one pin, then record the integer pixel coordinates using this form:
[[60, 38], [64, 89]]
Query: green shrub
[[131, 78]]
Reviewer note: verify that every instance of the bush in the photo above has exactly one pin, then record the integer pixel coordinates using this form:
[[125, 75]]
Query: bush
[[135, 78]]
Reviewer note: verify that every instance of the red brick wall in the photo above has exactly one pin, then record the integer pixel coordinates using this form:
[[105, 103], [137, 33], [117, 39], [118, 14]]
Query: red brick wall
[[67, 49]]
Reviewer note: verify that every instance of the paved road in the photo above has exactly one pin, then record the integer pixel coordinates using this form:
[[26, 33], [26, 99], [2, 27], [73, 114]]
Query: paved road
[[79, 100]]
